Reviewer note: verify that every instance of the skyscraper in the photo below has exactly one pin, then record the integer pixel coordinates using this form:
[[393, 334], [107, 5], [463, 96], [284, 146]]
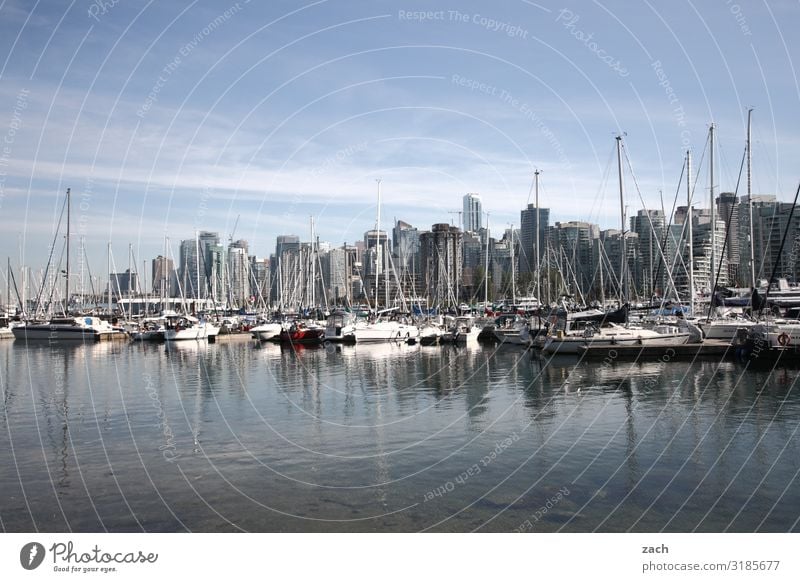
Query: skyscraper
[[441, 263], [472, 213], [530, 225]]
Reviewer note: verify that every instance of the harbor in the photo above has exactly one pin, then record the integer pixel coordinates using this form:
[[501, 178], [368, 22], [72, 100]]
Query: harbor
[[365, 267]]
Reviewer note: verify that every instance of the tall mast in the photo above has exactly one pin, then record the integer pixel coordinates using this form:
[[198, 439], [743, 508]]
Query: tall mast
[[197, 267], [624, 258], [713, 214], [690, 240], [750, 203], [513, 270], [377, 245], [108, 266], [66, 276], [536, 239], [486, 270], [130, 274], [313, 266]]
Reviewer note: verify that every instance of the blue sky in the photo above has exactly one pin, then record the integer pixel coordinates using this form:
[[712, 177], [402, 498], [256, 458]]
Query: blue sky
[[169, 117]]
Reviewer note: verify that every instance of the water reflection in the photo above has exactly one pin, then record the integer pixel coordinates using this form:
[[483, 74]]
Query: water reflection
[[133, 435]]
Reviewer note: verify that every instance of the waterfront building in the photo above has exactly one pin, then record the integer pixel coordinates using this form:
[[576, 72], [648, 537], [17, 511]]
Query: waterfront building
[[163, 277], [473, 213], [770, 221], [531, 226], [121, 284], [238, 274], [649, 275], [728, 212], [441, 260], [259, 280], [609, 251], [575, 242]]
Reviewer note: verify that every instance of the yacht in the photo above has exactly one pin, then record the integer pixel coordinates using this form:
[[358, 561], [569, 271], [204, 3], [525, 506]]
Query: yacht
[[66, 329], [187, 327], [464, 331], [266, 331], [385, 331], [613, 334], [340, 327]]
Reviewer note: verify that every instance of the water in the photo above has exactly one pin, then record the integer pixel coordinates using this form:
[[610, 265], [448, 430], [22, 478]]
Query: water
[[237, 436]]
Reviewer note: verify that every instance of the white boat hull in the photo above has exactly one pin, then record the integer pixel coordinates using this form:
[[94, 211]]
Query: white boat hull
[[573, 344], [385, 332], [200, 331], [267, 331]]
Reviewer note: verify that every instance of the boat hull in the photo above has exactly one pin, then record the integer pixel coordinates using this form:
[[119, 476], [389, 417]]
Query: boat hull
[[386, 333], [266, 332], [200, 331], [302, 336], [573, 345]]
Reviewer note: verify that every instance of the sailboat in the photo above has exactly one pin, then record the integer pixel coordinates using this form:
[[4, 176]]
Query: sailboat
[[66, 328], [606, 332], [383, 329]]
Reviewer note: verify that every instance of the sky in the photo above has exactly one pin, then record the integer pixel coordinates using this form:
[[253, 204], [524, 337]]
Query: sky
[[252, 118]]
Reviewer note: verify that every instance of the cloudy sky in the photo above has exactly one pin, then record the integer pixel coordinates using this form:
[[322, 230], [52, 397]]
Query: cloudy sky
[[168, 117]]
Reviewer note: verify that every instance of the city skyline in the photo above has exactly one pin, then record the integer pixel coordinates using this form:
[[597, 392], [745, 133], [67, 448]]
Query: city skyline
[[264, 116]]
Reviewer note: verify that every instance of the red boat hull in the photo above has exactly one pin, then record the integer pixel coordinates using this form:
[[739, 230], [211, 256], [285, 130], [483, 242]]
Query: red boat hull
[[302, 336]]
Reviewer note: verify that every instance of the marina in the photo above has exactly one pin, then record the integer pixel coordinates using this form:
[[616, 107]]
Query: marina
[[358, 267]]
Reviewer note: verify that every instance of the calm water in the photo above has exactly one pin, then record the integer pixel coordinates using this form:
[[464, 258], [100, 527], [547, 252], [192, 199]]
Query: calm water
[[237, 436]]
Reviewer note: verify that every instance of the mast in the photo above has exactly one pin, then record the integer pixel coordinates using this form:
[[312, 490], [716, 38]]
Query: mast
[[197, 267], [378, 245], [713, 213], [750, 203], [130, 274], [66, 276], [690, 240], [313, 265], [486, 270], [624, 258], [513, 270], [536, 240], [108, 266]]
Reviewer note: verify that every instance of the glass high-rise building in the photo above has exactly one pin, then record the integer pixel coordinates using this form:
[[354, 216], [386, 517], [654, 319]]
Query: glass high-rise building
[[472, 213]]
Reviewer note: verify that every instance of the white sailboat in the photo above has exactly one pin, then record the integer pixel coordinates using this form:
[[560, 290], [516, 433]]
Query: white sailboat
[[66, 328], [383, 329], [570, 341]]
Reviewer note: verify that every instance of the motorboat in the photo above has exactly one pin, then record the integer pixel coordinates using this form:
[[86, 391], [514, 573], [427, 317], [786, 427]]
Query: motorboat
[[188, 327], [266, 331], [84, 328]]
